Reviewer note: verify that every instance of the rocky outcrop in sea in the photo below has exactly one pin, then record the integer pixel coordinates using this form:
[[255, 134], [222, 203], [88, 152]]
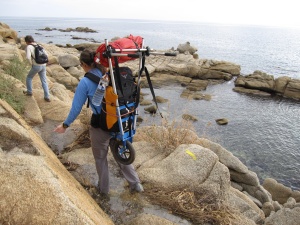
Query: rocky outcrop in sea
[[51, 178]]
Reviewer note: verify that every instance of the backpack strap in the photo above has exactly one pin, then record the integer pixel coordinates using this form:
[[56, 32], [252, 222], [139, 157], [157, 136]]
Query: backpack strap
[[118, 76], [93, 78], [34, 50]]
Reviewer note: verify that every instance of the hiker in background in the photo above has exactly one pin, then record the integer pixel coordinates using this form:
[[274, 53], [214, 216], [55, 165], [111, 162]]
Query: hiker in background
[[99, 138], [35, 68]]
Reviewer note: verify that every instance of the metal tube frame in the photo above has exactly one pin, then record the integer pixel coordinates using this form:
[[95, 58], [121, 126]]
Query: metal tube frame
[[134, 53]]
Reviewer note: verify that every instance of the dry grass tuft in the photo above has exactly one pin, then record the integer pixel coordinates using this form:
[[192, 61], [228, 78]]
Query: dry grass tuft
[[195, 207], [169, 135]]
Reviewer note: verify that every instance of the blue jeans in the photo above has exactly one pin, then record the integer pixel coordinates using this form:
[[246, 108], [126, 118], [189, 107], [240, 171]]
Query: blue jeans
[[41, 70]]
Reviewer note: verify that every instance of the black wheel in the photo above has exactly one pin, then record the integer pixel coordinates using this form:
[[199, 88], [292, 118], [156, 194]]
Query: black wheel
[[124, 155]]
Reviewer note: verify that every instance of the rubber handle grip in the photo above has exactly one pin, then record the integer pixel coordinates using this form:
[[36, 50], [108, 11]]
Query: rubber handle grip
[[170, 54], [134, 55]]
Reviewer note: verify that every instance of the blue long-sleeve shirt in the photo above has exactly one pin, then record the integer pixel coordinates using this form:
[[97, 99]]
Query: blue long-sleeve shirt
[[85, 89]]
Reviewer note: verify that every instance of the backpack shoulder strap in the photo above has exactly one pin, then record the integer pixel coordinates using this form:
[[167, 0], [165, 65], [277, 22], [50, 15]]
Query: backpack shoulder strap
[[93, 78], [34, 46]]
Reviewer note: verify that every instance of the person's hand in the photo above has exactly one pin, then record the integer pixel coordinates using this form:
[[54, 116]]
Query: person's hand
[[60, 129]]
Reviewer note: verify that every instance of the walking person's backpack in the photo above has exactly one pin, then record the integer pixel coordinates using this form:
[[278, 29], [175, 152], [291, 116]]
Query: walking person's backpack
[[41, 56]]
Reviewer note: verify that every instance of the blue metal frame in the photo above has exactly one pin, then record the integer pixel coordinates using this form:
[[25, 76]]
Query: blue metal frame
[[139, 53]]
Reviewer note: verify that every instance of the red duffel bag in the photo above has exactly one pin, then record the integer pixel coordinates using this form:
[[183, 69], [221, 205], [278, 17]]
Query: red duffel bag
[[130, 42]]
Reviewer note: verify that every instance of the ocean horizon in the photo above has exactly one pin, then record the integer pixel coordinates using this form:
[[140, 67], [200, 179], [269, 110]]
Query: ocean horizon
[[263, 132], [273, 50]]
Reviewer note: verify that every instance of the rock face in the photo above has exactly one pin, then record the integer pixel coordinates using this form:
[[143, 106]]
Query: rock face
[[182, 48], [35, 188], [202, 173], [279, 192], [150, 219], [186, 65], [263, 84], [6, 32], [284, 216]]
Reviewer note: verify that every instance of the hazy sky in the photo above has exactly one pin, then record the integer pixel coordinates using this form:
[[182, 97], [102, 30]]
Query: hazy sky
[[257, 12]]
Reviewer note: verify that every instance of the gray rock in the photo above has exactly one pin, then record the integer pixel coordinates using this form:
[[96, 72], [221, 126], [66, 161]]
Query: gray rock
[[258, 192], [150, 219], [291, 202], [292, 89], [276, 206], [194, 167], [256, 201], [189, 117], [278, 191], [236, 186], [225, 157], [222, 121], [249, 178], [13, 131], [246, 206], [44, 191], [267, 208], [68, 60], [182, 48], [284, 216], [151, 109]]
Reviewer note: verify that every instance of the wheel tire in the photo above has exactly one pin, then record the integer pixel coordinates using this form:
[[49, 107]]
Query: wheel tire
[[127, 157]]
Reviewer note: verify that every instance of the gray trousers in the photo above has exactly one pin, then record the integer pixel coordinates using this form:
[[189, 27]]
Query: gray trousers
[[100, 142]]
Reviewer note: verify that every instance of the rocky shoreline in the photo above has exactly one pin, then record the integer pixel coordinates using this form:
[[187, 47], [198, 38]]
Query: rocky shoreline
[[29, 147]]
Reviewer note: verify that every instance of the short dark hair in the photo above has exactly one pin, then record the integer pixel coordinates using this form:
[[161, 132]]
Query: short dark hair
[[29, 39]]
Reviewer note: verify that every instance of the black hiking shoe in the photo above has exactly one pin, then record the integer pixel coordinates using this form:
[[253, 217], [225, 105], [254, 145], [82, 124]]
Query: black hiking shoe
[[27, 93]]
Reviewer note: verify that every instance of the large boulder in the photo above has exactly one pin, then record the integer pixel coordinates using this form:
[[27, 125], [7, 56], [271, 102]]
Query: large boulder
[[246, 206], [225, 157], [284, 216], [278, 191], [7, 32], [188, 66], [68, 60], [62, 76], [258, 80], [281, 83], [9, 51], [186, 47], [203, 172], [35, 188], [292, 89], [149, 219]]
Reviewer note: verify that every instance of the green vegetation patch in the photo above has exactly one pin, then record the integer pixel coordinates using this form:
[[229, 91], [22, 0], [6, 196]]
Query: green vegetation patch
[[16, 69], [8, 90]]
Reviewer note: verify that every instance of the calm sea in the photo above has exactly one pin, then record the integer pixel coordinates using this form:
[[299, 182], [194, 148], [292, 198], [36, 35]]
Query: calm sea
[[263, 132]]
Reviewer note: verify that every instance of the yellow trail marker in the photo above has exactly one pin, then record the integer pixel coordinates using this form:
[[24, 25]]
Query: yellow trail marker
[[191, 154]]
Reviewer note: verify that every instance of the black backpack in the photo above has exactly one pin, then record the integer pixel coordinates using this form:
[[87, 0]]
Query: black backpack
[[40, 54], [125, 85], [127, 92]]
